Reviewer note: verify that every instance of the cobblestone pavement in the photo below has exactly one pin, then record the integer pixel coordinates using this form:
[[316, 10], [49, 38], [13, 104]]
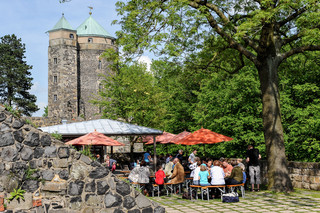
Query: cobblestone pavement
[[298, 201]]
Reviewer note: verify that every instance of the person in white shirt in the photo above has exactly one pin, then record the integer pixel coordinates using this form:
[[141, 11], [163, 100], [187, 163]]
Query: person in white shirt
[[217, 174], [196, 180], [193, 166]]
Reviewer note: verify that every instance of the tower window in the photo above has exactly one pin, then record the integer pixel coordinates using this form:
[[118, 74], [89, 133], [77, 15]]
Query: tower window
[[112, 42], [55, 97], [55, 60], [100, 65], [55, 79], [90, 40], [71, 36]]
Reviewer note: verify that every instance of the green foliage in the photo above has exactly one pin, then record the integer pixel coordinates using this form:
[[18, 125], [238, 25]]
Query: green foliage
[[230, 104], [87, 152], [56, 136], [15, 80], [16, 194], [14, 112], [31, 123], [29, 172], [301, 107], [45, 114]]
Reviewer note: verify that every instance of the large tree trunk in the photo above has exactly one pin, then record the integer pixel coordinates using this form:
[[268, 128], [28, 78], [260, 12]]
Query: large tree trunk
[[278, 175]]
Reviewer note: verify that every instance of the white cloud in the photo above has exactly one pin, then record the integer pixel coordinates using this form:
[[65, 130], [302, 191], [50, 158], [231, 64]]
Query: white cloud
[[145, 60]]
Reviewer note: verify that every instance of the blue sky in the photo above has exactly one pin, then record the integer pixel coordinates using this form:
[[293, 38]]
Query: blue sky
[[30, 19]]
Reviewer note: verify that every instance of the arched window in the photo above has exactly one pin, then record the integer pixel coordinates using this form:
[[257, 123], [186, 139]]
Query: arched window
[[55, 97], [100, 65], [71, 36], [90, 40], [55, 60], [55, 79]]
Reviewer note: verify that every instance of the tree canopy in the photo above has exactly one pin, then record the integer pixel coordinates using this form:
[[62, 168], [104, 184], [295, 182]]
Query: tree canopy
[[260, 32], [15, 77]]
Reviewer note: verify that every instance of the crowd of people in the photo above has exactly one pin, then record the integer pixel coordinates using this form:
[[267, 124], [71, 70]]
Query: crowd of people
[[204, 172]]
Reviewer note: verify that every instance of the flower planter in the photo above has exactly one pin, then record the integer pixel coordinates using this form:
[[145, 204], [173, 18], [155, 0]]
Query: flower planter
[[36, 203], [2, 208]]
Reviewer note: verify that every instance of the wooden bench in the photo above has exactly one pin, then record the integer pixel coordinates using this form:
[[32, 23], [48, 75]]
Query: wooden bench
[[241, 186], [205, 189], [187, 182], [155, 187], [221, 188], [168, 186], [194, 187]]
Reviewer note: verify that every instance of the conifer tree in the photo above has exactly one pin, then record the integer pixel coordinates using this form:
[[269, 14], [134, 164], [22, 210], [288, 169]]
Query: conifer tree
[[15, 77]]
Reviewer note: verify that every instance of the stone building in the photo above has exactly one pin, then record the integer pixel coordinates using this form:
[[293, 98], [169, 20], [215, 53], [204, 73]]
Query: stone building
[[75, 68]]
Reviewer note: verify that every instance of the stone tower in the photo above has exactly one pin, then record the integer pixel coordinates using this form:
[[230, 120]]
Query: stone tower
[[75, 68]]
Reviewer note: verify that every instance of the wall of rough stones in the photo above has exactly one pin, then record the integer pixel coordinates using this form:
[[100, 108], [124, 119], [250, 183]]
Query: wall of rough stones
[[304, 175], [57, 178]]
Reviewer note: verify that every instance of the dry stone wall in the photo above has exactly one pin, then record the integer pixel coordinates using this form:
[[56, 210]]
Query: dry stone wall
[[57, 178]]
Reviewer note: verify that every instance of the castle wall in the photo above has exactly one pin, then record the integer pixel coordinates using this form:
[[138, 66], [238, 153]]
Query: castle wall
[[62, 34], [57, 178], [62, 79], [90, 78], [96, 40], [74, 75], [304, 175]]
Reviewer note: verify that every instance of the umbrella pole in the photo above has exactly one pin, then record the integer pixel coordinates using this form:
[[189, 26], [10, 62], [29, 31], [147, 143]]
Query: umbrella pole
[[154, 153], [111, 150]]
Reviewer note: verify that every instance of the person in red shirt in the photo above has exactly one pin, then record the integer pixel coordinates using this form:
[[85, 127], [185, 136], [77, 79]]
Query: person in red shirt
[[160, 176]]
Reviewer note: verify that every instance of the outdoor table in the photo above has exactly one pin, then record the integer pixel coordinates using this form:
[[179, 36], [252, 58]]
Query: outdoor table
[[125, 172]]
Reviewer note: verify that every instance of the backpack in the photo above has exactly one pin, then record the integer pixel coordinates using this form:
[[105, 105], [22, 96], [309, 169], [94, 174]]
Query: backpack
[[186, 195]]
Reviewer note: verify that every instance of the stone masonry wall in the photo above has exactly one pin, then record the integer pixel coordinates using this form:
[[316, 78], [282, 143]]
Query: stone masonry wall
[[57, 178], [304, 175]]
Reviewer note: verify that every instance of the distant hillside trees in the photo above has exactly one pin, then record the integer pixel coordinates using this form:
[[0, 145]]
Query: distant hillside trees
[[15, 77]]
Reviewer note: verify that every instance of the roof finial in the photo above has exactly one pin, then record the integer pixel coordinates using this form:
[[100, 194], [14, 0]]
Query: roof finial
[[91, 8]]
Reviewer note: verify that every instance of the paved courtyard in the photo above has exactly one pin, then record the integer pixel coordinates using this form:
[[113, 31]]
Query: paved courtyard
[[263, 201]]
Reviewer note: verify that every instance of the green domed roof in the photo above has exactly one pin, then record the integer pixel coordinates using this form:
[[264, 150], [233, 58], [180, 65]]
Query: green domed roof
[[62, 24], [91, 28]]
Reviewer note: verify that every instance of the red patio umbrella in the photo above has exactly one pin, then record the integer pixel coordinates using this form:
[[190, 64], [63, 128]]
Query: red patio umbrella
[[164, 138], [203, 136], [96, 139], [179, 136]]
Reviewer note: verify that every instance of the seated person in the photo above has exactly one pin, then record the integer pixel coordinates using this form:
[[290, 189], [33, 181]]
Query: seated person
[[203, 175], [196, 172], [110, 163], [217, 177], [168, 158], [217, 174], [241, 165], [236, 176], [177, 175], [193, 166], [160, 176], [134, 174], [168, 167], [227, 168], [209, 164], [144, 177]]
